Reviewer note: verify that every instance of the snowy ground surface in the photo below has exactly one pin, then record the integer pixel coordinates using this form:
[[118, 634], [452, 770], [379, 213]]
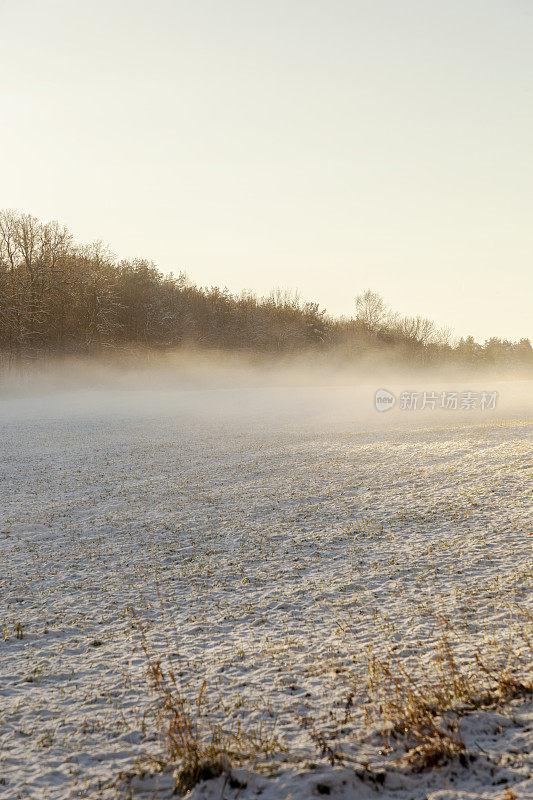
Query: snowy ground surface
[[288, 537]]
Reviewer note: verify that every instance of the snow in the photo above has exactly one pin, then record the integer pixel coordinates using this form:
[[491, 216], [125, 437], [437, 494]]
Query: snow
[[274, 537]]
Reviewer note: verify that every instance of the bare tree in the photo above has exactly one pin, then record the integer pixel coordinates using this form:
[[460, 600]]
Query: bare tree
[[56, 295], [372, 311]]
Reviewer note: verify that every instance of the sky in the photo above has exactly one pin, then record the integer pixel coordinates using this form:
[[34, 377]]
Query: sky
[[320, 145]]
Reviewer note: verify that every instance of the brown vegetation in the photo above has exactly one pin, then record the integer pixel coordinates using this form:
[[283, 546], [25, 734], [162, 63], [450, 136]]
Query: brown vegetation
[[60, 297]]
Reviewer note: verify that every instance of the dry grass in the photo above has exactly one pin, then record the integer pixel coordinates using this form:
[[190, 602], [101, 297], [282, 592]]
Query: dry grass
[[186, 721], [414, 712], [419, 713], [324, 748], [189, 738], [424, 712]]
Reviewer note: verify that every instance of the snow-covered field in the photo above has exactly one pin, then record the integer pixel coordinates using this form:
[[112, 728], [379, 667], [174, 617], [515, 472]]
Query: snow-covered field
[[276, 538]]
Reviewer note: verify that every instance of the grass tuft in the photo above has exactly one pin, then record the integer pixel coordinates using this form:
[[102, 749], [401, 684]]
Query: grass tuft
[[425, 712]]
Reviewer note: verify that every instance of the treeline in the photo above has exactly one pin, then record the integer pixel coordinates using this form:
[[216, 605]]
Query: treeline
[[60, 297]]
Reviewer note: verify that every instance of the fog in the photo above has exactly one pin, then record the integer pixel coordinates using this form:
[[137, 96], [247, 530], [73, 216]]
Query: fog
[[245, 390]]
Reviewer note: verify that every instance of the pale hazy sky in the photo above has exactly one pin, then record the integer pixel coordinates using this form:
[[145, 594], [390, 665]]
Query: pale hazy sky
[[325, 145]]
